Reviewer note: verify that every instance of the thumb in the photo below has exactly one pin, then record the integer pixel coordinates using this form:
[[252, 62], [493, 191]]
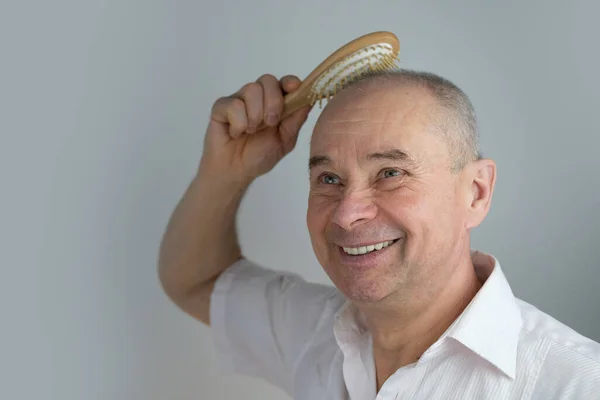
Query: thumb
[[290, 127]]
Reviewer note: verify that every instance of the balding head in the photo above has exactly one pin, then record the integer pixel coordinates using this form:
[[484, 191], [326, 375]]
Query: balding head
[[452, 113]]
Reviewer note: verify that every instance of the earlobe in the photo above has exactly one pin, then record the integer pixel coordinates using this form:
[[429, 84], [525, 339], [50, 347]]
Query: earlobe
[[483, 180]]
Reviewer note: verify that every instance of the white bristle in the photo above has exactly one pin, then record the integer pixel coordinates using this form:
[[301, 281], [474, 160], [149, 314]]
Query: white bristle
[[374, 58]]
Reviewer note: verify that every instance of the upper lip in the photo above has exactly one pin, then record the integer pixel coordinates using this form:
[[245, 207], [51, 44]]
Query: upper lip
[[366, 244]]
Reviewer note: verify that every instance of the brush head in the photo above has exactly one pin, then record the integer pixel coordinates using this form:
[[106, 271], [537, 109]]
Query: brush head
[[371, 60], [369, 54]]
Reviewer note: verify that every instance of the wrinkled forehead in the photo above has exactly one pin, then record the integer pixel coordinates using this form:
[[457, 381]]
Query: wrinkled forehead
[[362, 120]]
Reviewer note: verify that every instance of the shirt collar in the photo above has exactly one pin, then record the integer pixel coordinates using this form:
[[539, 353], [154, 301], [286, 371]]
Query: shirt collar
[[489, 326]]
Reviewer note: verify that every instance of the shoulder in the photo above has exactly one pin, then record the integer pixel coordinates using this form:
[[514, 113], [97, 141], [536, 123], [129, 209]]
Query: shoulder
[[569, 362], [271, 323], [249, 294], [541, 326]]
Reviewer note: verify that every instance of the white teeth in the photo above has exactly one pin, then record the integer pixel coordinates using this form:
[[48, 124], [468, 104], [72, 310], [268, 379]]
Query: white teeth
[[367, 249]]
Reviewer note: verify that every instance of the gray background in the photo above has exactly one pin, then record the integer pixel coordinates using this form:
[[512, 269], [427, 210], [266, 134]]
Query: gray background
[[103, 109]]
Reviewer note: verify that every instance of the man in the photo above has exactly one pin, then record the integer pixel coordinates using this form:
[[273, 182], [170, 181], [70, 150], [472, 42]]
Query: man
[[396, 185]]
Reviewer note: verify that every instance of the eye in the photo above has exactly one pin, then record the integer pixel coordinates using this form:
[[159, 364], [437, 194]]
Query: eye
[[390, 173], [329, 179]]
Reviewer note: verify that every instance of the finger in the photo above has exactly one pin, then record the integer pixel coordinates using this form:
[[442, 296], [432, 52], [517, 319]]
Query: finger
[[252, 94], [272, 99], [289, 83], [231, 111], [238, 118], [290, 127]]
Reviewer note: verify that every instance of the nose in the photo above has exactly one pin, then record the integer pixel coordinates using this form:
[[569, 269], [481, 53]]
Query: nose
[[354, 209]]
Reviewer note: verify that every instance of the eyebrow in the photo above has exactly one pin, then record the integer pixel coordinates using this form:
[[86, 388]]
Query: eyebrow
[[390, 155], [317, 161]]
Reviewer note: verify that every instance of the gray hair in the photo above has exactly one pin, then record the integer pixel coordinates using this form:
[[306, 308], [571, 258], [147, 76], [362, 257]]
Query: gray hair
[[458, 122]]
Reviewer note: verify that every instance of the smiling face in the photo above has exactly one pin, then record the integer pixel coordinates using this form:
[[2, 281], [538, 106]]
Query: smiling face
[[386, 213]]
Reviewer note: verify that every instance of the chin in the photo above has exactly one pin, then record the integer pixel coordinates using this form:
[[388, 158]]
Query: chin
[[365, 291]]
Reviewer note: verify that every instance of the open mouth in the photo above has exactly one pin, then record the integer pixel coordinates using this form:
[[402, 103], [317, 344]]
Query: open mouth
[[356, 251]]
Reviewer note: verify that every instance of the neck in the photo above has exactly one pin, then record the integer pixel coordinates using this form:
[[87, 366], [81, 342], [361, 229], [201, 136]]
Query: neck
[[402, 330]]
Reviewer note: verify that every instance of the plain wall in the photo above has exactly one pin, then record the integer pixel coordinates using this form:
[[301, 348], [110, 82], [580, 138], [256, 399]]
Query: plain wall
[[103, 109]]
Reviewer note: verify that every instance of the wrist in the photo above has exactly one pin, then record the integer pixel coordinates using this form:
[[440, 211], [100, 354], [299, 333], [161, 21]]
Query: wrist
[[222, 180]]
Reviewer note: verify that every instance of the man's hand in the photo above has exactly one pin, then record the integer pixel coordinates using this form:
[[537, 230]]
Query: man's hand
[[235, 146]]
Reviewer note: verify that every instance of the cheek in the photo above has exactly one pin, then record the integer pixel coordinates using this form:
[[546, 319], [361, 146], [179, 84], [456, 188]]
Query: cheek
[[430, 216], [318, 215], [404, 206], [420, 214]]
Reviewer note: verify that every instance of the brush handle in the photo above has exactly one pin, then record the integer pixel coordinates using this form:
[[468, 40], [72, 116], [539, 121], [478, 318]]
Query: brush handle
[[294, 101]]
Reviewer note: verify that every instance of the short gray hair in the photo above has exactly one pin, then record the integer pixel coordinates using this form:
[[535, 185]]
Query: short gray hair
[[458, 123]]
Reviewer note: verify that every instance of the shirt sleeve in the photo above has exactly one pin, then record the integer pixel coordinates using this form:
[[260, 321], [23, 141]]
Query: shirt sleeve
[[262, 320]]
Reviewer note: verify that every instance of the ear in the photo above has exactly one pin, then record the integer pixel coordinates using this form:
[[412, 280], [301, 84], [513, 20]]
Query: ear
[[482, 178]]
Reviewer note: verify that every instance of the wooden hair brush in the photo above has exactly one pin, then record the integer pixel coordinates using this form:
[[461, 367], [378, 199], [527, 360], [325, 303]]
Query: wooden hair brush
[[374, 52]]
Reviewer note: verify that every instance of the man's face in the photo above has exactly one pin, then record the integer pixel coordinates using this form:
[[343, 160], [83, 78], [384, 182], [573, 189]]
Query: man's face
[[382, 189]]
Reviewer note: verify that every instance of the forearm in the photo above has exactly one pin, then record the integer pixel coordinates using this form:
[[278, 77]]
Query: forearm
[[201, 239]]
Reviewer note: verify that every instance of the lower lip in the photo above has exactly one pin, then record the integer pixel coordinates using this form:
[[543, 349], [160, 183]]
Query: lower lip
[[366, 260]]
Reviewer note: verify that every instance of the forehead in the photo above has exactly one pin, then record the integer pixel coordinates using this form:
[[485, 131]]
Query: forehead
[[376, 118]]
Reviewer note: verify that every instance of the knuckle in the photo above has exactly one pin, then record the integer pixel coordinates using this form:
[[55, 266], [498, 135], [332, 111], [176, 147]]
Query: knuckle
[[267, 78], [251, 88], [219, 102], [237, 104]]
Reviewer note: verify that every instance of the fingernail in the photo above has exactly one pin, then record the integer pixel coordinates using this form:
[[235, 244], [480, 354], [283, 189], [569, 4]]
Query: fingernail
[[272, 119]]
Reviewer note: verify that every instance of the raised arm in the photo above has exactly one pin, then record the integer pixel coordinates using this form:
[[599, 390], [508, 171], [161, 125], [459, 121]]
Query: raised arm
[[200, 240]]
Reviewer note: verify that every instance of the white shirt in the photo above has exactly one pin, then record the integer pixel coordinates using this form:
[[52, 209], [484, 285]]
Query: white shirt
[[308, 340]]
